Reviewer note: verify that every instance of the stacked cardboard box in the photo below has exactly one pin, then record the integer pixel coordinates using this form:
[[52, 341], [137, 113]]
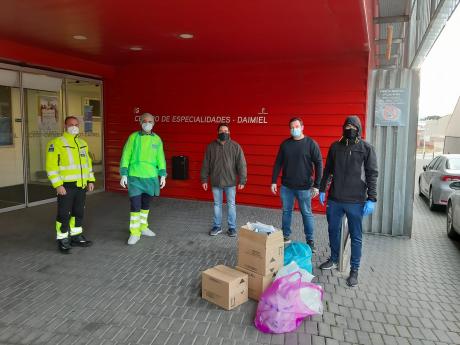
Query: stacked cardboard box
[[257, 283], [224, 286], [260, 255]]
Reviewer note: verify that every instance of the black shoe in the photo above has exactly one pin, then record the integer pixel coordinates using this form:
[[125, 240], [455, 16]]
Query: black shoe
[[79, 241], [287, 240], [328, 265], [215, 231], [231, 232], [311, 244], [64, 245], [352, 280]]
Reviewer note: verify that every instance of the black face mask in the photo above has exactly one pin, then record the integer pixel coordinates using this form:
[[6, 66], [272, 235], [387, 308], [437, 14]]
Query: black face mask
[[223, 136], [350, 133]]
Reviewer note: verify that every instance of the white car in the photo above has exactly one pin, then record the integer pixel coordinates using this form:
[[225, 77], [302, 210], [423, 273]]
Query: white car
[[435, 180], [453, 212]]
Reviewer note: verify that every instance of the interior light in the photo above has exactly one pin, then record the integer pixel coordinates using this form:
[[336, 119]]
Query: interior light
[[80, 37], [186, 36], [135, 48]]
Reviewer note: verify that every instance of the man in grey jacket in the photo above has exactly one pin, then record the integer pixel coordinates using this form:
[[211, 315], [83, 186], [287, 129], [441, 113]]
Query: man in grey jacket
[[224, 164]]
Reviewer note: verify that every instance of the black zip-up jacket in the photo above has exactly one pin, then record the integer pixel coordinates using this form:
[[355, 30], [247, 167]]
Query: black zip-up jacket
[[352, 167], [296, 158]]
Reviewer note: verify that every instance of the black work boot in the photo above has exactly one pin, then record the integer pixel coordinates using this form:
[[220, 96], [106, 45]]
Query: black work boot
[[352, 280], [80, 241], [64, 245]]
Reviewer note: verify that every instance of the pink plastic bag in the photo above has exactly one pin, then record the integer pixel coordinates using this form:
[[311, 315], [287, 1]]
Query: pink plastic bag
[[280, 308]]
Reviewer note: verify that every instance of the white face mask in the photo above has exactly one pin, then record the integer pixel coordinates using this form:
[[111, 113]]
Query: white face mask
[[296, 132], [147, 127], [74, 130]]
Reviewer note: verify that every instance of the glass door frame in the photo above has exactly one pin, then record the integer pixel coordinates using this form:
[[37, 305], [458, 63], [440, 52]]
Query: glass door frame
[[24, 124], [13, 120]]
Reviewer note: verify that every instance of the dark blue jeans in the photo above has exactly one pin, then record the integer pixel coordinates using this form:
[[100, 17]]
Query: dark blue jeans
[[354, 212], [304, 199]]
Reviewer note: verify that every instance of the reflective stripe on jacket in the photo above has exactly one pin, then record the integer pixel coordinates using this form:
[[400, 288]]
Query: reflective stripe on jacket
[[68, 160]]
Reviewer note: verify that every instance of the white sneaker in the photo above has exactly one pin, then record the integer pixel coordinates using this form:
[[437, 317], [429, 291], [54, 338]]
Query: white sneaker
[[148, 232], [133, 239]]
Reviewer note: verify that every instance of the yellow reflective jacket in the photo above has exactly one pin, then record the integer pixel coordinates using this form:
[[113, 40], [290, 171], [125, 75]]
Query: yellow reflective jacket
[[68, 160]]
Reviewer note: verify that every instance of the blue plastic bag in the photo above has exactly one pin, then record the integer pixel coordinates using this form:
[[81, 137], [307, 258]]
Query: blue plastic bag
[[300, 253]]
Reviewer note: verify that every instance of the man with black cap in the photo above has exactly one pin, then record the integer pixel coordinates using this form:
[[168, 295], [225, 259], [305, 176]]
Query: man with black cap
[[351, 167]]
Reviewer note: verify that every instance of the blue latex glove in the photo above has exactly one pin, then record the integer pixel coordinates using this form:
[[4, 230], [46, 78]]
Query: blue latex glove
[[322, 197], [369, 207]]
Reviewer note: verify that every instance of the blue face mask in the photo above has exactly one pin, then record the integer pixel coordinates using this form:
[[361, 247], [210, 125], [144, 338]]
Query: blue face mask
[[296, 132]]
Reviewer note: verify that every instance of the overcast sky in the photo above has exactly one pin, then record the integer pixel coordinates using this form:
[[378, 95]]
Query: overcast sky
[[440, 73]]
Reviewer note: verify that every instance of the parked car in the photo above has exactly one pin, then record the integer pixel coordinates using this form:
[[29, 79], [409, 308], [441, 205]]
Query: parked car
[[453, 212], [435, 180]]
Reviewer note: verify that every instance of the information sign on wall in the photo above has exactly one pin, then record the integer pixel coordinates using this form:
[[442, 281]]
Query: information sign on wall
[[88, 116], [391, 107], [48, 115]]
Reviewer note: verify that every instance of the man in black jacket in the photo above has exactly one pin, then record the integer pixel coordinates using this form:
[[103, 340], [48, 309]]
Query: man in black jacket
[[352, 165], [297, 156]]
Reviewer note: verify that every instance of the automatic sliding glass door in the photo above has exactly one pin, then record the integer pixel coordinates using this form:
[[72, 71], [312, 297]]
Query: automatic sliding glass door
[[12, 193], [33, 106], [43, 113], [84, 101]]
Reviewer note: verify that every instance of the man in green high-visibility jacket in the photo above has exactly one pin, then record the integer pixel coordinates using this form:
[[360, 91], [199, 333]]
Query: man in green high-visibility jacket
[[142, 162]]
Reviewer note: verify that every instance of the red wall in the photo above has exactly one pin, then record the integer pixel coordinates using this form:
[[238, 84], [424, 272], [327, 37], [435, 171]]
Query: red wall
[[321, 92]]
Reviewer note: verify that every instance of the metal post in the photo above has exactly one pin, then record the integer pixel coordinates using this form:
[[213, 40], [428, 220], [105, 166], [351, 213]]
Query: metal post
[[424, 143], [344, 254], [25, 139]]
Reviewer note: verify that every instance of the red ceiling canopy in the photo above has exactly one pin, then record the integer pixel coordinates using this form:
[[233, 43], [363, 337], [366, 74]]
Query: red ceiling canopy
[[223, 30]]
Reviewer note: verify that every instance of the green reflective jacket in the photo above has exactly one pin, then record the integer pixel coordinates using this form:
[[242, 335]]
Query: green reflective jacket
[[143, 160]]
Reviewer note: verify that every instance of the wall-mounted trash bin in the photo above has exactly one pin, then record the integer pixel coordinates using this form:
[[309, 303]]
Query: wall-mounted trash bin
[[180, 167]]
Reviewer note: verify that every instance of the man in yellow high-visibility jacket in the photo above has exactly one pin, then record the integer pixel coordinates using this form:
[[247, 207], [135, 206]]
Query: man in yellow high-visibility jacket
[[70, 171]]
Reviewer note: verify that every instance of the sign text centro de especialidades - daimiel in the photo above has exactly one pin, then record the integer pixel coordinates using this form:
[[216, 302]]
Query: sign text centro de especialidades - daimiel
[[204, 119], [260, 118]]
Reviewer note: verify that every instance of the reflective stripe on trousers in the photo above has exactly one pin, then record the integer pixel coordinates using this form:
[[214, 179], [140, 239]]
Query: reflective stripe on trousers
[[144, 214], [135, 223]]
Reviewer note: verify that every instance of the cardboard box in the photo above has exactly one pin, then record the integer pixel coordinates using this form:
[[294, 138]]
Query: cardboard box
[[224, 286], [259, 252], [257, 283]]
